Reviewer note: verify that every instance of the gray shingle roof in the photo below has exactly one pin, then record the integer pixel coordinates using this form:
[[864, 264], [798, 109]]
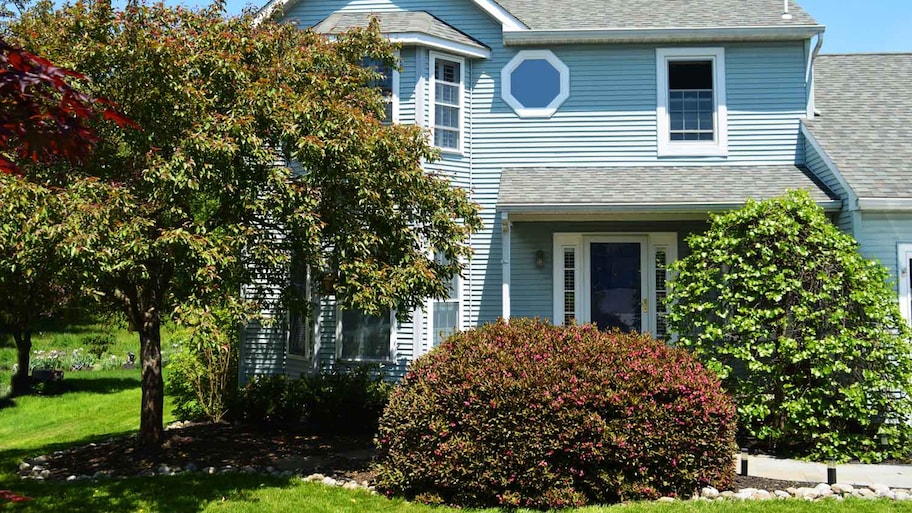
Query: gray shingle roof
[[417, 22], [688, 187], [865, 121], [607, 14]]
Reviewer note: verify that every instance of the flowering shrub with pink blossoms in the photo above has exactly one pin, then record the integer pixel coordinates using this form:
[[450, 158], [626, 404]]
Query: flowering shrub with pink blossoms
[[534, 415]]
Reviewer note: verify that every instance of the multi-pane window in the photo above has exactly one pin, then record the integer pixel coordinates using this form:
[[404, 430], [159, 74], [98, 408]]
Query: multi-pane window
[[690, 100], [569, 285], [447, 103], [445, 312], [386, 84], [365, 337], [691, 105], [661, 292], [301, 318]]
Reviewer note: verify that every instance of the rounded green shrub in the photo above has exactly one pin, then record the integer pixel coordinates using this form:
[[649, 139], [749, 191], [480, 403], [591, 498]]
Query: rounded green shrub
[[804, 332], [533, 415]]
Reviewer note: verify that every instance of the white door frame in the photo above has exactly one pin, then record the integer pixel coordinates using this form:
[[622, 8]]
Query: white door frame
[[903, 257], [579, 245]]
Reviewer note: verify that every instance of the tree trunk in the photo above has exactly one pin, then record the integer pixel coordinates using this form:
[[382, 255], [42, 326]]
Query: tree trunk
[[22, 383], [151, 429]]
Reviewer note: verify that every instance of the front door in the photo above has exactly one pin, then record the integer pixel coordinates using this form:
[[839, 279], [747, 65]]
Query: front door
[[615, 286]]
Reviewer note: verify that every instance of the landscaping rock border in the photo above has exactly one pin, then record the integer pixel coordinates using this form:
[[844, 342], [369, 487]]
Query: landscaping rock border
[[822, 491]]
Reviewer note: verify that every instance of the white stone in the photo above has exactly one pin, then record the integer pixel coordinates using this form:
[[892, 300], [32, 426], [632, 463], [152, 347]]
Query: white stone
[[842, 488], [164, 470], [328, 481], [315, 477], [709, 492], [71, 478], [24, 466], [823, 487], [902, 496], [879, 488], [209, 470], [782, 494], [351, 485], [865, 493], [807, 493], [762, 495], [666, 499], [792, 491], [727, 494], [743, 495]]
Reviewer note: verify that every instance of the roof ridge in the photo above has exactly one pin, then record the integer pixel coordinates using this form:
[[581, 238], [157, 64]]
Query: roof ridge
[[851, 54]]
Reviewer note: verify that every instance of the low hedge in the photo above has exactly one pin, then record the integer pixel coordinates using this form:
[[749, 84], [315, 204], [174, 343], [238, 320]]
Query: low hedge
[[528, 414]]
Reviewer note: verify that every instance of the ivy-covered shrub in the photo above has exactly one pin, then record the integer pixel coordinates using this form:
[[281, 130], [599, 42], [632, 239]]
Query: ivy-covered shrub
[[529, 414], [332, 402], [804, 332]]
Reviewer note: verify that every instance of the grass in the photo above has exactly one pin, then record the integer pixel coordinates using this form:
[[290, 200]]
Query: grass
[[109, 337], [97, 405]]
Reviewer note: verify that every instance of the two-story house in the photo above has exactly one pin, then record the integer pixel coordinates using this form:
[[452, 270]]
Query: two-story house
[[597, 135]]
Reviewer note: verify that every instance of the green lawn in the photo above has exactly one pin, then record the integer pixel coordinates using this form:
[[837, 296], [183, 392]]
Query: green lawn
[[96, 405], [108, 337]]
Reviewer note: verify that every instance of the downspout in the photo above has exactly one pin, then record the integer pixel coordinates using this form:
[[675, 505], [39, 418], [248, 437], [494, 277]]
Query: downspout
[[811, 109], [467, 305]]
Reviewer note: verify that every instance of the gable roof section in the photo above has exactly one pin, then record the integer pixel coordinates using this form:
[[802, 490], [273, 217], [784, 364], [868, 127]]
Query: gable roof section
[[865, 121], [411, 25], [652, 188], [652, 14]]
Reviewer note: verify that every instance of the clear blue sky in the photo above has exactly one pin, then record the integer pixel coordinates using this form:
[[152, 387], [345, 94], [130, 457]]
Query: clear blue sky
[[852, 25]]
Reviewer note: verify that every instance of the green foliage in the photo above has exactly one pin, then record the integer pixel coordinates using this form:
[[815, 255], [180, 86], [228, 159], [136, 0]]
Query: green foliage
[[192, 209], [534, 415], [203, 373], [804, 332], [331, 402]]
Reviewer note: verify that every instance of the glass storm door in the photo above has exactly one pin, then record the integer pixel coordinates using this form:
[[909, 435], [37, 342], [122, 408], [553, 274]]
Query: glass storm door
[[616, 284]]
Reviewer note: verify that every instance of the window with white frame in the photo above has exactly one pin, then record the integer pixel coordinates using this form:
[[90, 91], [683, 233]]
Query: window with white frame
[[535, 83], [388, 83], [691, 102], [444, 318], [364, 337], [446, 101], [303, 318]]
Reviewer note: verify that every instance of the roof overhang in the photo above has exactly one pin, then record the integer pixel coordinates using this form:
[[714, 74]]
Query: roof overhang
[[439, 43], [636, 208], [278, 8], [885, 204], [661, 35]]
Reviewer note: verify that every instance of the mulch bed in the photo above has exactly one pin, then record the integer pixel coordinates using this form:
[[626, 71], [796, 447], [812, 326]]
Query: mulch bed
[[238, 446]]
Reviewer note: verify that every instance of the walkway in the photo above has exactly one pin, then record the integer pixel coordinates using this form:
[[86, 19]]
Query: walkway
[[894, 476]]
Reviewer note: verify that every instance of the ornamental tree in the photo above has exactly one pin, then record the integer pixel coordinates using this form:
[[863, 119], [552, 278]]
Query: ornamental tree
[[805, 333], [32, 274], [195, 207]]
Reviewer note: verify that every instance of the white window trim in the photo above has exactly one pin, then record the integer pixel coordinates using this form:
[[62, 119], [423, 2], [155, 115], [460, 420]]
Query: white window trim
[[506, 87], [715, 148], [395, 98], [429, 345], [313, 333], [651, 241], [903, 254], [432, 61], [391, 358]]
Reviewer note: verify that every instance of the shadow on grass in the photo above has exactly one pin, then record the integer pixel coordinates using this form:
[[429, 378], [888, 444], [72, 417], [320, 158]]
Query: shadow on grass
[[188, 492]]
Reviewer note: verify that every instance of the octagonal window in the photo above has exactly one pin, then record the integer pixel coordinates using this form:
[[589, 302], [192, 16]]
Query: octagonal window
[[535, 83]]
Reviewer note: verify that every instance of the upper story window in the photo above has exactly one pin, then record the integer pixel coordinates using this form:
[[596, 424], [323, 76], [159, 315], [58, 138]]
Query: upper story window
[[691, 106], [447, 101], [535, 83], [389, 88]]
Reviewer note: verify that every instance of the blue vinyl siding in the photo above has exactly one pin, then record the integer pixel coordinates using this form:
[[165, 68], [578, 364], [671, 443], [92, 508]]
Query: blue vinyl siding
[[879, 235], [815, 162]]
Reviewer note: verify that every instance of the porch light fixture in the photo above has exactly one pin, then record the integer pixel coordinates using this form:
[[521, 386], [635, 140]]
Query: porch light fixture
[[539, 259]]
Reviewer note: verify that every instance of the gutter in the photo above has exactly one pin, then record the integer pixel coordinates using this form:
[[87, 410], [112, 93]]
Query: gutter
[[809, 79], [669, 207], [661, 35], [885, 204]]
